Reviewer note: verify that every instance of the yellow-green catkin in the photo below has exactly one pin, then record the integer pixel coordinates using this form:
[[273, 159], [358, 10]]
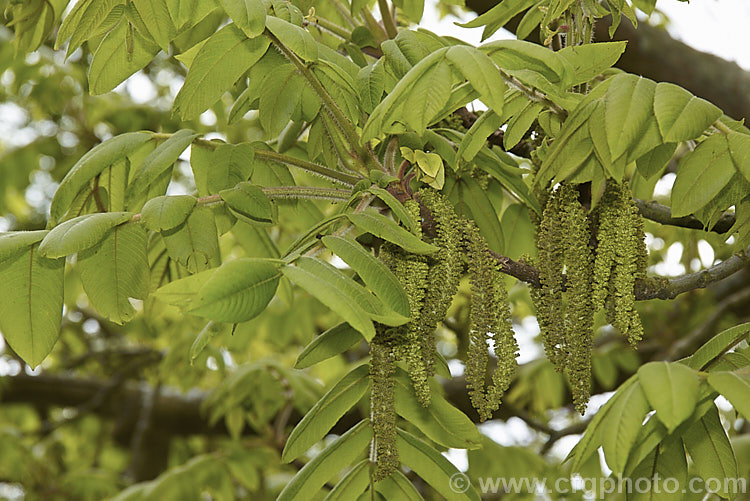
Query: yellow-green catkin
[[384, 452], [442, 283], [620, 259], [489, 318], [579, 311]]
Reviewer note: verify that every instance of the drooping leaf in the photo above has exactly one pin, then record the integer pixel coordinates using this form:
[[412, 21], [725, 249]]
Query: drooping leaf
[[166, 212], [295, 38], [90, 165], [524, 59], [239, 291], [353, 484], [114, 61], [622, 426], [498, 16], [371, 85], [427, 97], [158, 21], [194, 244], [387, 229], [182, 292], [520, 124], [397, 208], [680, 115], [31, 308], [248, 15], [589, 60], [476, 137], [441, 422], [16, 242], [335, 340], [279, 98], [671, 389], [739, 149], [628, 108], [709, 448], [702, 174], [80, 233], [319, 420], [159, 160], [397, 486], [321, 283], [115, 270], [735, 387], [717, 346], [482, 73], [249, 201], [334, 458], [431, 466], [217, 66], [373, 272], [666, 461], [82, 22]]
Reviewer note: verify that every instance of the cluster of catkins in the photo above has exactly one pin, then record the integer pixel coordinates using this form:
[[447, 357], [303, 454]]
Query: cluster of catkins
[[576, 281], [430, 283]]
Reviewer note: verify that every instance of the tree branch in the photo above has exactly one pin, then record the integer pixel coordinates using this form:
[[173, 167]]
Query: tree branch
[[659, 213]]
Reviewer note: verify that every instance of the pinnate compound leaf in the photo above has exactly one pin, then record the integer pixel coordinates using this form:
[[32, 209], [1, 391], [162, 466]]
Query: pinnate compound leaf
[[334, 458], [387, 229], [166, 212], [31, 307], [323, 284], [249, 201], [217, 66], [702, 175], [735, 387], [326, 412], [709, 448], [115, 270], [672, 390], [717, 346], [440, 421], [90, 165], [80, 233], [481, 73], [159, 160], [114, 62], [431, 466], [682, 116], [335, 340], [248, 15], [239, 291], [295, 38], [621, 428], [373, 272]]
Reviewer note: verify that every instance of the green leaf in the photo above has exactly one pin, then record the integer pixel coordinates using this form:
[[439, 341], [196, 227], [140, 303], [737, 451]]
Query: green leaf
[[476, 137], [194, 244], [622, 426], [323, 284], [590, 60], [248, 15], [387, 229], [739, 148], [319, 420], [702, 175], [114, 62], [482, 73], [182, 292], [159, 160], [239, 291], [167, 212], [335, 340], [441, 422], [472, 197], [397, 208], [520, 124], [655, 160], [427, 97], [31, 308], [374, 273], [279, 97], [628, 108], [709, 448], [82, 22], [297, 39], [80, 233], [353, 484], [16, 242], [219, 63], [682, 116], [334, 458], [717, 346], [249, 201], [431, 466], [736, 389], [371, 85], [525, 57], [115, 270], [90, 165], [498, 15], [672, 389], [158, 21], [397, 486], [203, 338], [666, 461], [516, 222]]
